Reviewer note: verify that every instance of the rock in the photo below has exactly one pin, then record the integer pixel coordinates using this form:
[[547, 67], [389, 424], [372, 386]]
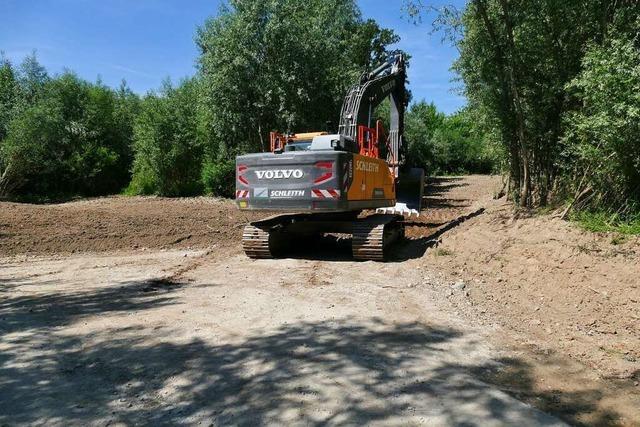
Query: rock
[[459, 285]]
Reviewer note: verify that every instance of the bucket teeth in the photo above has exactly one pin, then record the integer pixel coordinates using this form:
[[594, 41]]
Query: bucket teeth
[[400, 209]]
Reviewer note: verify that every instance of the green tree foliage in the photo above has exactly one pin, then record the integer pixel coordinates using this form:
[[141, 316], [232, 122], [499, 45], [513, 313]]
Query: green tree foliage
[[603, 136], [444, 144], [168, 147], [421, 122], [8, 95], [62, 136], [33, 77], [281, 65], [516, 60], [218, 177], [264, 65]]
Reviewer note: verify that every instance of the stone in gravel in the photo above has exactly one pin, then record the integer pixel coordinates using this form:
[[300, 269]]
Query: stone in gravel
[[459, 285]]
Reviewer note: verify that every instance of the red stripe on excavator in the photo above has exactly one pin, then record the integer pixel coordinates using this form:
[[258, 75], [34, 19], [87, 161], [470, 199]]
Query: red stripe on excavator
[[242, 179], [324, 165], [323, 178], [325, 194]]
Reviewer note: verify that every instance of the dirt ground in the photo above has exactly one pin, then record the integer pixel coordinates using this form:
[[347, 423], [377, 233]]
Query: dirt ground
[[145, 311]]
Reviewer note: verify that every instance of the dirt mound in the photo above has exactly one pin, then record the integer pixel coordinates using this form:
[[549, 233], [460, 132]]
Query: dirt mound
[[570, 291], [136, 223], [576, 292], [119, 223]]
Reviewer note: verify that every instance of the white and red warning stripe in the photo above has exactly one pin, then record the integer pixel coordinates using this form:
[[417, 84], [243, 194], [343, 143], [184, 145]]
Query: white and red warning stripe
[[242, 194], [329, 193]]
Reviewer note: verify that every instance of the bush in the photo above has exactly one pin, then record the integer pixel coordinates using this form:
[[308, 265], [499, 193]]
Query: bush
[[219, 177], [143, 182], [65, 137], [453, 144], [168, 148], [603, 136], [33, 153]]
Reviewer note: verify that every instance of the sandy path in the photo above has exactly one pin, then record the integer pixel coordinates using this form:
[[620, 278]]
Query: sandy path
[[124, 338]]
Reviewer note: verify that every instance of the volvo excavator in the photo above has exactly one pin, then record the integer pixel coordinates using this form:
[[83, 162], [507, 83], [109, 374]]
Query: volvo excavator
[[327, 183]]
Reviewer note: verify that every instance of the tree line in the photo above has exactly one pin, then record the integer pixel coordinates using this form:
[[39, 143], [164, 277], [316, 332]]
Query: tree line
[[558, 84], [266, 65], [552, 87]]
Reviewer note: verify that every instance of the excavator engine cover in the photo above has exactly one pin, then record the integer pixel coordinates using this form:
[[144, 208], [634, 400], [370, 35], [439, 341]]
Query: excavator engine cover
[[313, 181]]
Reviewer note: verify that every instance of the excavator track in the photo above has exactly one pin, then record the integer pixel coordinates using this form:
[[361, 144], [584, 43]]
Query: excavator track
[[255, 242], [371, 237]]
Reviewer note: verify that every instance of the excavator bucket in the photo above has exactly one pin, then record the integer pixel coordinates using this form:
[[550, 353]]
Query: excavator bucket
[[409, 193]]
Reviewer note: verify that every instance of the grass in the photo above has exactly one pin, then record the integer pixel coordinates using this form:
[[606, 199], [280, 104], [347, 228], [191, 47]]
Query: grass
[[442, 252], [602, 222]]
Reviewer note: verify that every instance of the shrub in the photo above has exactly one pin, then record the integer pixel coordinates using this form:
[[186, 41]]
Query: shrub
[[219, 177], [603, 136], [168, 149], [65, 137]]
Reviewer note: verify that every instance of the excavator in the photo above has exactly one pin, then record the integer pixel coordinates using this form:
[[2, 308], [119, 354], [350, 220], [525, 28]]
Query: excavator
[[351, 182]]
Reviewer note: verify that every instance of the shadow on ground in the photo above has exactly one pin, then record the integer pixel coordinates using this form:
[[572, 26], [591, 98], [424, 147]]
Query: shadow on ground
[[33, 312], [338, 248], [342, 371]]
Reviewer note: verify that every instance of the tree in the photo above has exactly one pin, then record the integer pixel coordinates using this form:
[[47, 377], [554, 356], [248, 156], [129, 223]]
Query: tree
[[32, 77], [281, 64], [28, 151], [603, 136], [67, 137], [516, 58], [8, 94], [421, 122], [168, 148], [453, 144]]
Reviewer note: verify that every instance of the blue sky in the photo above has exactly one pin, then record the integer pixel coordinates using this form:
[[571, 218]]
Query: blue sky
[[145, 41]]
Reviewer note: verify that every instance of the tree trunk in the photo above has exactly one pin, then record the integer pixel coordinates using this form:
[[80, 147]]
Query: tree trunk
[[6, 186], [525, 193], [262, 146]]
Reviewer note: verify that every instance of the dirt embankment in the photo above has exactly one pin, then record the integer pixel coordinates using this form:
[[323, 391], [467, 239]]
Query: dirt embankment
[[571, 291], [119, 223]]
